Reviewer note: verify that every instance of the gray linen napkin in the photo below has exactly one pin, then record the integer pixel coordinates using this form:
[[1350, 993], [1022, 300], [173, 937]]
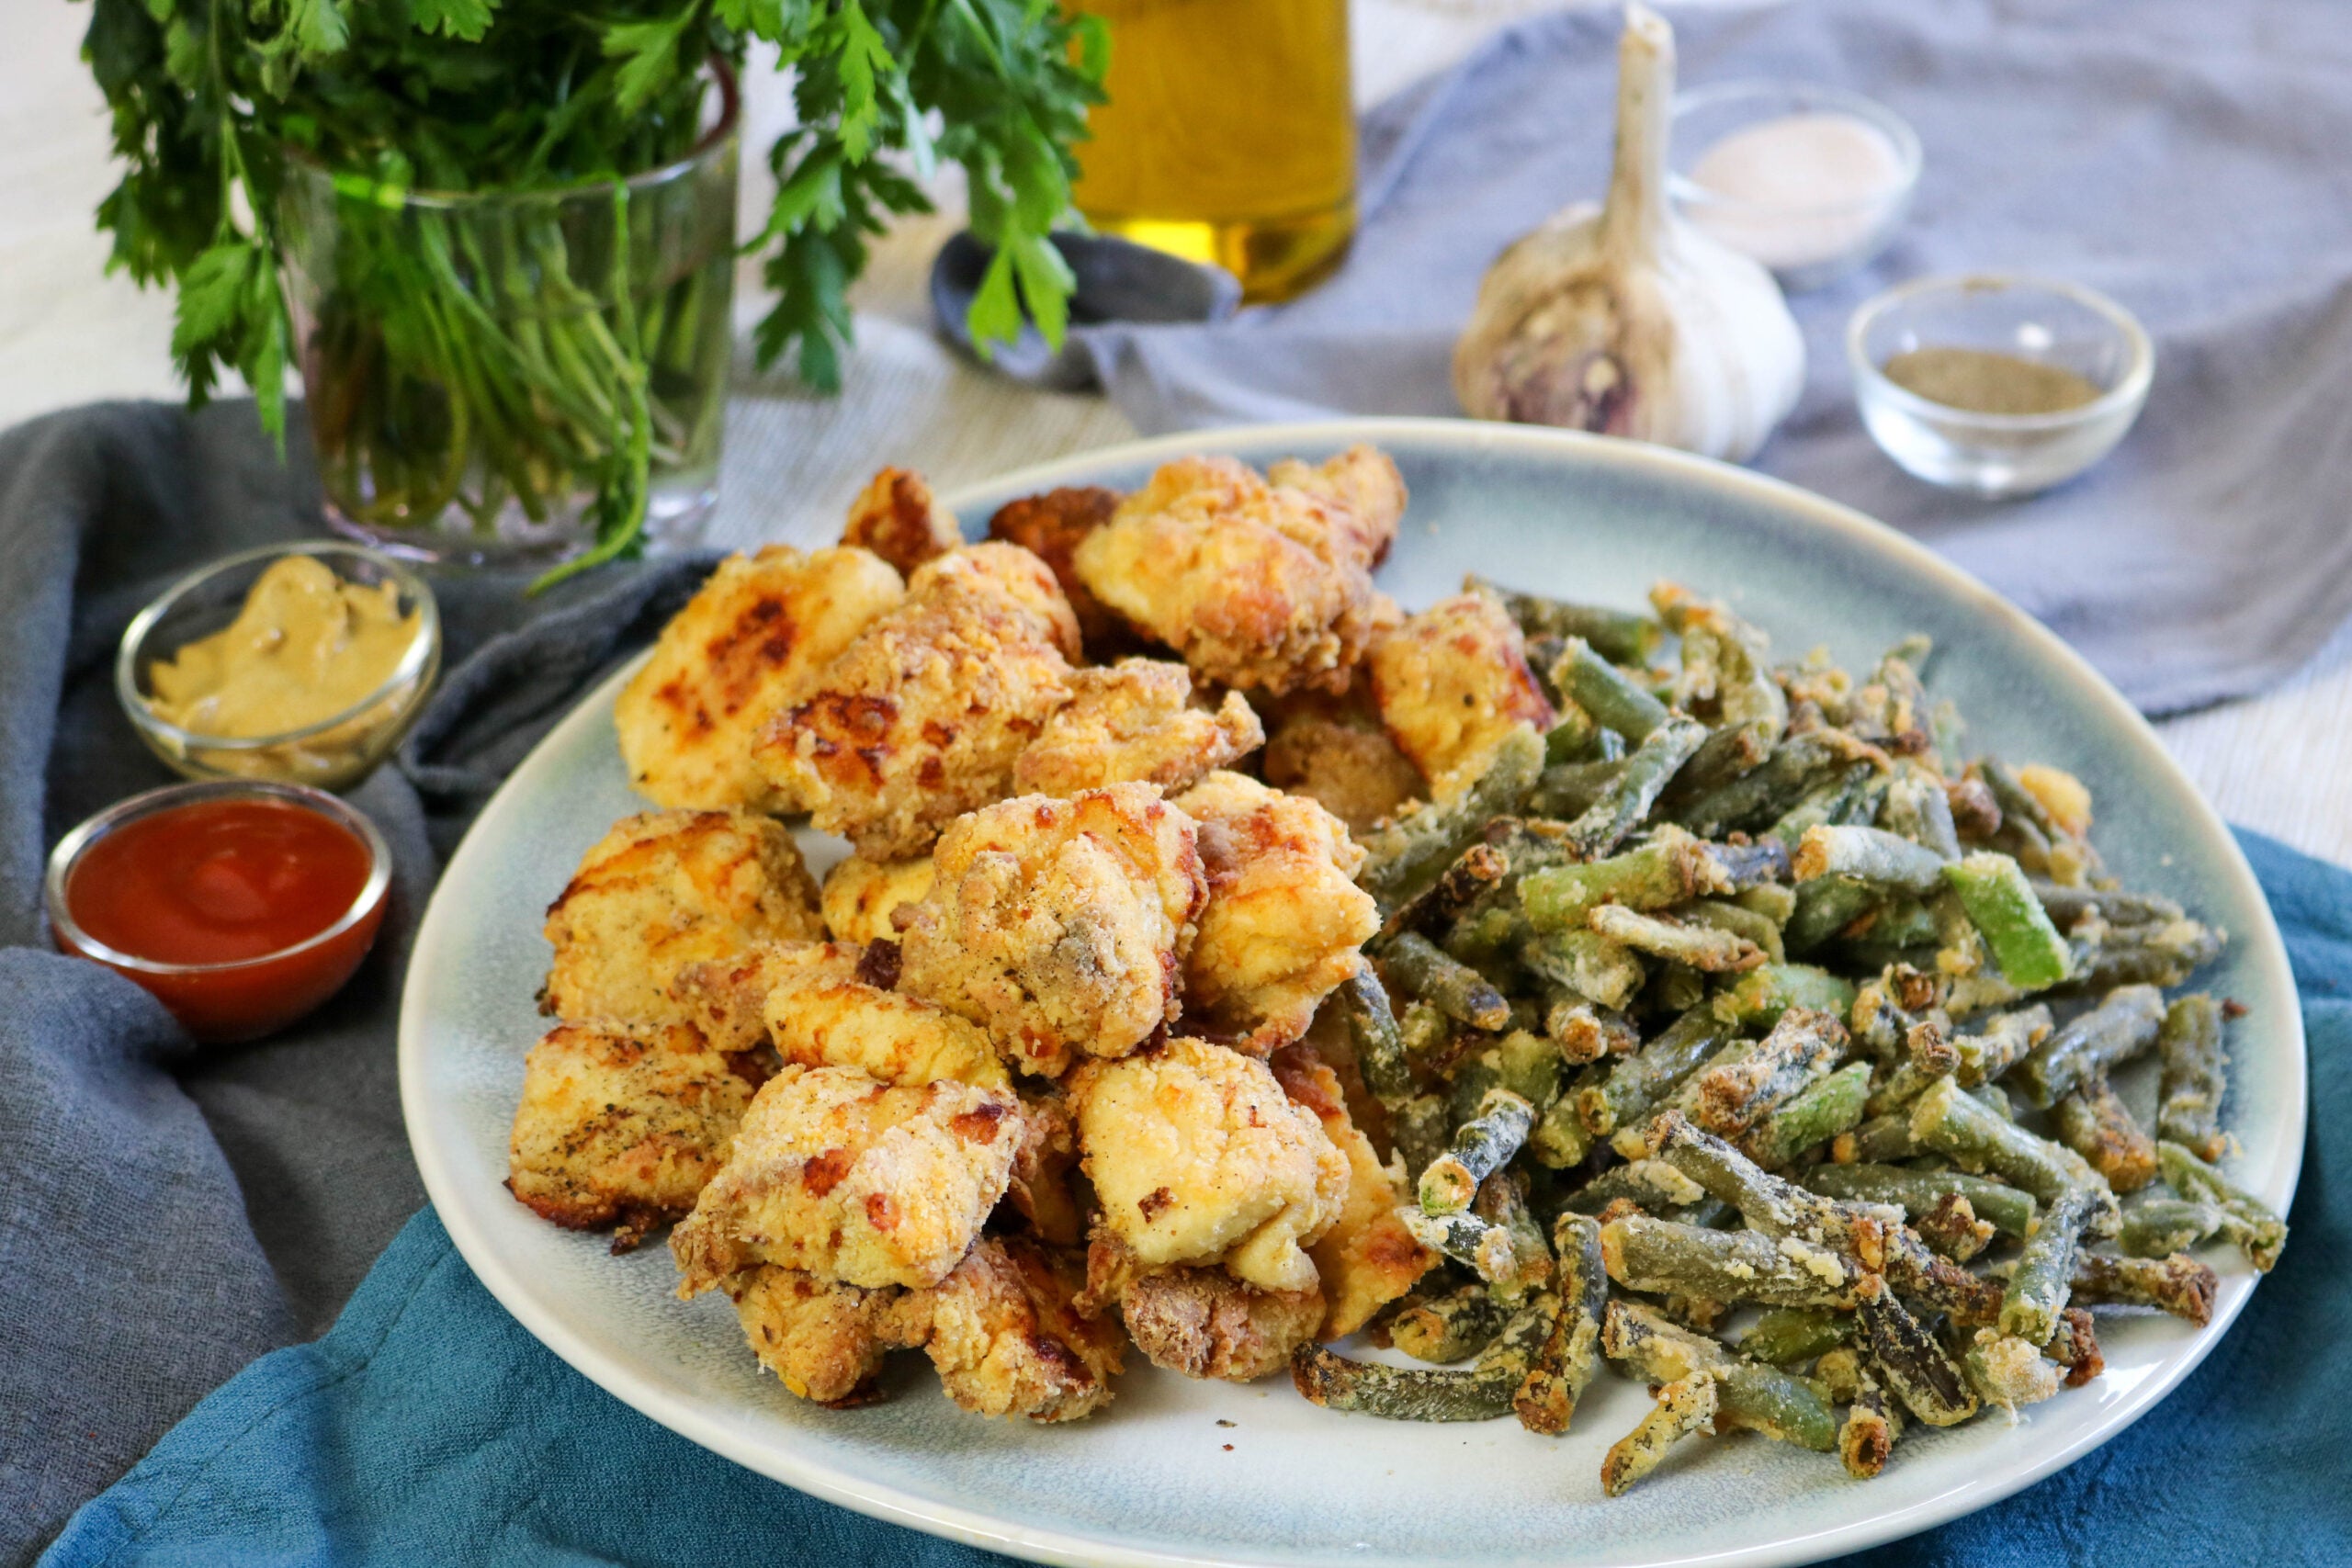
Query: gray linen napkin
[[167, 1212], [2187, 158]]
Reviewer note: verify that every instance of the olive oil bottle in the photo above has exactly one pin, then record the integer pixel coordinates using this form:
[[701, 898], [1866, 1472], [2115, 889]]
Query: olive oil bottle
[[1230, 136]]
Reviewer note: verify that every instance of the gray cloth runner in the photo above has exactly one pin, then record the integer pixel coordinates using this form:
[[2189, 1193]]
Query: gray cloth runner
[[2187, 158], [168, 1212]]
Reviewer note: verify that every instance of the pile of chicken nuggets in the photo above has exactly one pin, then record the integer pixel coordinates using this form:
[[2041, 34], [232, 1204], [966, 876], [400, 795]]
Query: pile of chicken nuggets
[[1035, 1074]]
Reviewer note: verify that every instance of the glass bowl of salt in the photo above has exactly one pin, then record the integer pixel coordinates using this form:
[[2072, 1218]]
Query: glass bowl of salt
[[1811, 181]]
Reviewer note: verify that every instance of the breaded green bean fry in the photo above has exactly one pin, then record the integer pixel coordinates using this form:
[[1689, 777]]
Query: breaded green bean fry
[[1420, 968], [1803, 1046], [1585, 962], [1702, 947], [1907, 1357], [1397, 1393], [1884, 859], [2093, 1121], [1772, 1205], [1756, 1397], [1600, 689], [2262, 1235], [1625, 636], [1684, 1406], [1405, 859], [1547, 1398], [2001, 906], [2177, 1284], [2122, 1025], [1449, 1328], [2006, 1040], [1957, 1124], [1665, 1259], [1373, 1030], [1761, 996], [1651, 1184], [1815, 1115], [1917, 1191], [1481, 1147], [2038, 1289], [1486, 1250], [1785, 1336], [1626, 803], [2162, 1226], [2010, 1372], [1866, 1440], [1637, 1084], [2188, 1104]]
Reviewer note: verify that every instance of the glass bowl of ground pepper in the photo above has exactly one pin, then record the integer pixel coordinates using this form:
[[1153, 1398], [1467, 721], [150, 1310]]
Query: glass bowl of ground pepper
[[1997, 386], [303, 663]]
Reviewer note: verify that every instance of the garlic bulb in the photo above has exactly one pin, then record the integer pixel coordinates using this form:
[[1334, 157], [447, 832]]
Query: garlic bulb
[[1625, 319]]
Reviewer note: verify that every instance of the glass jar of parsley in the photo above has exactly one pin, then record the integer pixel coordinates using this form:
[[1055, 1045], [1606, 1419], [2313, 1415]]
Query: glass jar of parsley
[[471, 359]]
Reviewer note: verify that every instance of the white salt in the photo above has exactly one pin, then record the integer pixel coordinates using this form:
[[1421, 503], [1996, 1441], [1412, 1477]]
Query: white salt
[[1800, 189]]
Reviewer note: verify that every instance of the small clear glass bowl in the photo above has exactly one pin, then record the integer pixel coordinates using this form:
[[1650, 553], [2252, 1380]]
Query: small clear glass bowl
[[242, 998], [1804, 246], [2042, 319], [333, 753]]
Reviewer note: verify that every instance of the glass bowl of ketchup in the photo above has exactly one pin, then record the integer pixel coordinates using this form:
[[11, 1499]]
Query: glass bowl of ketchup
[[241, 904]]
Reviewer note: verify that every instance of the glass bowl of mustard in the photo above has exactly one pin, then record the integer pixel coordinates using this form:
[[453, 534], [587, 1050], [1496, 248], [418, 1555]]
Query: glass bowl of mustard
[[303, 663], [1997, 386]]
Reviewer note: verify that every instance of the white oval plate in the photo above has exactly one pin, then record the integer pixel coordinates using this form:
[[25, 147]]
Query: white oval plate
[[1182, 1472]]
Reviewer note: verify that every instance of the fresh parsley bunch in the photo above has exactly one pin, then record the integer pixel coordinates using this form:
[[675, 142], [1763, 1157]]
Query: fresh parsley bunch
[[209, 97]]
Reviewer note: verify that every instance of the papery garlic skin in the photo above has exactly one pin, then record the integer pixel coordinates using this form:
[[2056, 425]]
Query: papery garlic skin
[[1625, 319]]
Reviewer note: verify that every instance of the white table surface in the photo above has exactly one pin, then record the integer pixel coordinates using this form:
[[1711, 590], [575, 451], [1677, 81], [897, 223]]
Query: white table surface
[[69, 333]]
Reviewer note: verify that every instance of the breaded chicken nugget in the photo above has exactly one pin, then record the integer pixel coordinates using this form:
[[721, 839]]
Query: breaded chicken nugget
[[852, 1180], [819, 1019], [1368, 1259], [823, 1340], [665, 889], [619, 1129], [1204, 1323], [1364, 483], [1050, 526], [1007, 1340], [920, 719], [1452, 683], [1350, 768], [860, 896], [728, 999], [1256, 585], [751, 643], [1198, 1156], [1059, 926], [895, 517], [1284, 917], [1135, 721]]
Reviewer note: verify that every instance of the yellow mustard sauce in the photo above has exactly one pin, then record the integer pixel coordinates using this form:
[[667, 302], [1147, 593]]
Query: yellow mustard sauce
[[306, 645]]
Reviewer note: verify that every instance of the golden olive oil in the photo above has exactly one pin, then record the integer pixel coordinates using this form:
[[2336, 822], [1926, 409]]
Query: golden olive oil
[[1230, 136]]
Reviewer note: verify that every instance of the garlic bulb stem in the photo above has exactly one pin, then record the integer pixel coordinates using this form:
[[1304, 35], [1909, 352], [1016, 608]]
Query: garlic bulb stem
[[1633, 219]]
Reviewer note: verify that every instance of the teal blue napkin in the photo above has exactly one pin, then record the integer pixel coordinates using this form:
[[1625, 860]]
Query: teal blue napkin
[[428, 1428]]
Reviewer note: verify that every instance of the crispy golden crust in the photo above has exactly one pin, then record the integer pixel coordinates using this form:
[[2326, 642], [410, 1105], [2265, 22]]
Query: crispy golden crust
[[665, 889], [895, 517], [752, 641], [821, 1340], [1007, 1340], [1204, 1323], [852, 1182], [1256, 585], [1059, 926], [1452, 683], [621, 1127], [1198, 1156], [1284, 917], [1135, 721], [821, 1020], [1050, 526], [1352, 770], [728, 999], [1367, 490], [861, 894], [920, 719], [1368, 1259]]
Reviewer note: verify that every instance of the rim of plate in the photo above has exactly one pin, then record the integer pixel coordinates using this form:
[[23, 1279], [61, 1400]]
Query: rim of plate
[[834, 1484]]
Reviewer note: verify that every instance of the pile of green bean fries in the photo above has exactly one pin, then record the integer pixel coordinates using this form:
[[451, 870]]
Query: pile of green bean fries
[[1742, 992]]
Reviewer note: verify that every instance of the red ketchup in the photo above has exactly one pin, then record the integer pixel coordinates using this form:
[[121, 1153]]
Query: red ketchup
[[244, 910]]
